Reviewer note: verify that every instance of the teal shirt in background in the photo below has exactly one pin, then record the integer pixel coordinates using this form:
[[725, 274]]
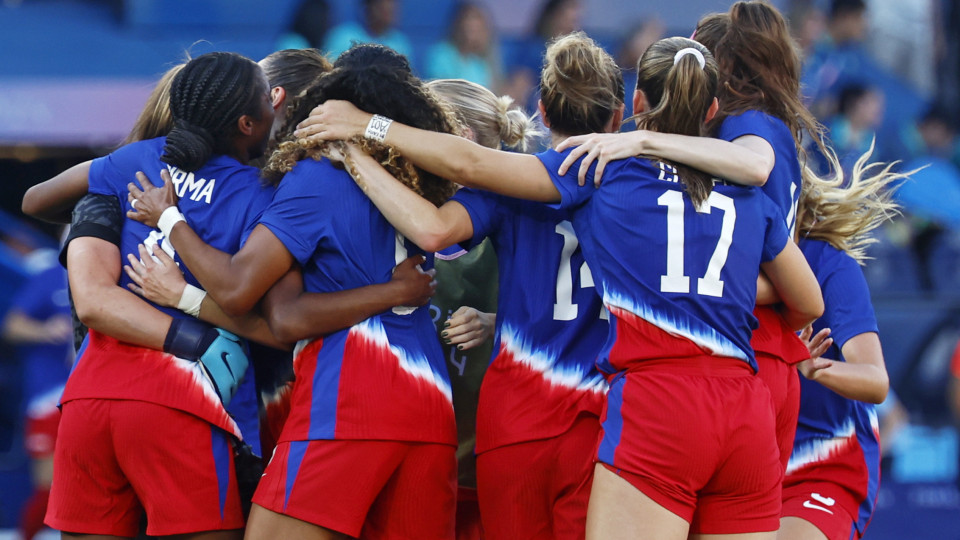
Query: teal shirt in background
[[445, 62], [343, 36]]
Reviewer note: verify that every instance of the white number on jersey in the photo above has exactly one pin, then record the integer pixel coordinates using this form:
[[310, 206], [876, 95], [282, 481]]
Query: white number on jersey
[[564, 309], [400, 255], [153, 239], [792, 215], [675, 281]]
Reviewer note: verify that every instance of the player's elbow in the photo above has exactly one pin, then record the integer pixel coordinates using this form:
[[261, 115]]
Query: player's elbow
[[433, 240], [31, 203], [89, 312], [284, 326], [234, 304], [760, 173], [880, 388], [466, 169], [799, 316]]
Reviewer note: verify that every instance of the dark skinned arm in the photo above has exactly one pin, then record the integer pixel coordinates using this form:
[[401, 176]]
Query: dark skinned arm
[[54, 199]]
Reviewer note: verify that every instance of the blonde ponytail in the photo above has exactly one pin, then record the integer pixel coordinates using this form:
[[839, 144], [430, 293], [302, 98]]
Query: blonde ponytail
[[493, 120], [843, 213]]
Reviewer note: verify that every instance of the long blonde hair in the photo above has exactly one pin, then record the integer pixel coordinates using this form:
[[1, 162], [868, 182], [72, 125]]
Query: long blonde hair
[[155, 119], [493, 120], [843, 212]]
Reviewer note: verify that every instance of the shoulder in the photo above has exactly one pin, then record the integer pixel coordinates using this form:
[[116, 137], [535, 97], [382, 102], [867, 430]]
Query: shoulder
[[313, 177], [749, 121], [132, 152], [826, 259]]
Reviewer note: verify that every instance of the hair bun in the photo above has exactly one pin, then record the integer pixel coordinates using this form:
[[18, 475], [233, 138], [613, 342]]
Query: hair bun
[[517, 130]]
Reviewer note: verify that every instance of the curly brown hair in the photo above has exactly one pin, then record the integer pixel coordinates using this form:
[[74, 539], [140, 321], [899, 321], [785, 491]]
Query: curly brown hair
[[377, 88]]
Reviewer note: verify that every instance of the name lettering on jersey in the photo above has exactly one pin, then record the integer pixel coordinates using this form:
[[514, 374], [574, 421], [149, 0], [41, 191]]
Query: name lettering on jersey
[[184, 181], [668, 173]]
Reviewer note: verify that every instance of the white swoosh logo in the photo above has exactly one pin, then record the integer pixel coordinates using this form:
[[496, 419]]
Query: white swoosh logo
[[808, 504]]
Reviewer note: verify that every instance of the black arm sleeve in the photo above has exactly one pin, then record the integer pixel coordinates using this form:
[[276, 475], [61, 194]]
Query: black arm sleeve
[[95, 215], [98, 216]]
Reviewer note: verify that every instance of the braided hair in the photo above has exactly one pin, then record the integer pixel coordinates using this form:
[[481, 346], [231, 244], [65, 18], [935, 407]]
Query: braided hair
[[207, 98], [378, 85]]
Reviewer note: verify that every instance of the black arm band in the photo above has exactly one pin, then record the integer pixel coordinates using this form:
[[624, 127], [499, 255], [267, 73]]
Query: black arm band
[[188, 338], [96, 216]]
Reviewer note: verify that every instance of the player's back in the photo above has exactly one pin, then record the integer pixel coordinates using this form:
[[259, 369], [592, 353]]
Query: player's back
[[550, 322], [679, 280], [220, 201], [783, 183], [357, 375]]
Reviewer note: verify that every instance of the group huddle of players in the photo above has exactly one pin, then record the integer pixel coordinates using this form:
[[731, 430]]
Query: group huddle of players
[[660, 293]]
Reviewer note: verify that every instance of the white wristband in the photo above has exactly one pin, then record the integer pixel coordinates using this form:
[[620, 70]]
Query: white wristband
[[170, 217], [190, 300], [377, 128]]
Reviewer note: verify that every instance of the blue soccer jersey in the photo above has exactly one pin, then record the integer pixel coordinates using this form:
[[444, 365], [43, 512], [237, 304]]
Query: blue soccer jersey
[[384, 378], [550, 322], [783, 184], [678, 280], [221, 201], [838, 438]]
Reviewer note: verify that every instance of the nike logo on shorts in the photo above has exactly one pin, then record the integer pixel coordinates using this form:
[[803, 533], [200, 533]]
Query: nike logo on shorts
[[827, 501]]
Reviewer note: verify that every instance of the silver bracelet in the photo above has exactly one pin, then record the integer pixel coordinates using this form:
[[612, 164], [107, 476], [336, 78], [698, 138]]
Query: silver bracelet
[[377, 128]]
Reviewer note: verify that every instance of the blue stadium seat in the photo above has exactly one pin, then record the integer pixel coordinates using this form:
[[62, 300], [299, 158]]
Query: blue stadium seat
[[945, 262], [893, 268]]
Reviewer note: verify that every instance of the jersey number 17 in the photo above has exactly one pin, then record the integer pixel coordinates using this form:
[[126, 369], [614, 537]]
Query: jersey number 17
[[675, 281]]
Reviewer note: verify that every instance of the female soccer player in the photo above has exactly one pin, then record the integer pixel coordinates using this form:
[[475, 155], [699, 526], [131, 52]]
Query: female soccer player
[[762, 116], [678, 354], [109, 471], [368, 448], [831, 484], [534, 463]]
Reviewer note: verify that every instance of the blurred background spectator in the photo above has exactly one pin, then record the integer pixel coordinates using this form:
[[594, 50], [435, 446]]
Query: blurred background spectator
[[40, 328], [378, 25], [311, 22], [635, 43], [556, 18], [853, 128], [470, 50]]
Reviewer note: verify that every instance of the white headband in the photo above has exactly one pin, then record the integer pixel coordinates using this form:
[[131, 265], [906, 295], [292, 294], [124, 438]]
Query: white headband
[[690, 50]]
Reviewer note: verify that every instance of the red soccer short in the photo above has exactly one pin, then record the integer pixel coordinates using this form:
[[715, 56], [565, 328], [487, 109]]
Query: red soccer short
[[697, 435], [368, 489], [783, 381], [116, 459], [822, 504], [539, 489]]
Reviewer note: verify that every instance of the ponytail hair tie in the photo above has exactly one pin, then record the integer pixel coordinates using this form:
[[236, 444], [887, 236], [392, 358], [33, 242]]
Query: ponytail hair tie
[[690, 50]]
